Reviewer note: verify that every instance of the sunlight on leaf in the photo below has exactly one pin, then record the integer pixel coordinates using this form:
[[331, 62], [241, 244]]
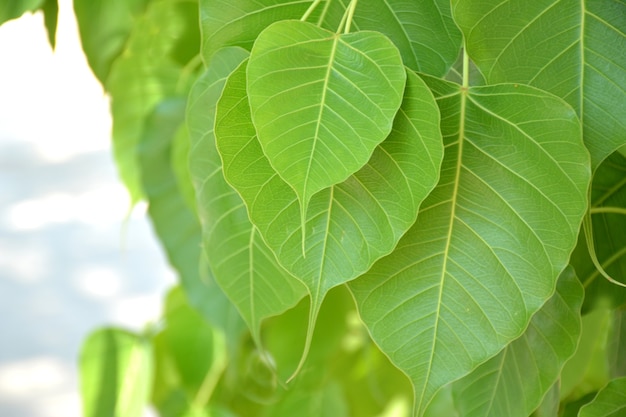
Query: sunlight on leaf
[[490, 240]]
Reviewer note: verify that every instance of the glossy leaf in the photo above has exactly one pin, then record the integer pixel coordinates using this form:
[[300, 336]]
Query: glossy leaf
[[144, 74], [349, 225], [241, 262], [609, 228], [489, 241], [610, 401], [574, 49], [104, 27], [514, 382], [116, 373], [321, 102]]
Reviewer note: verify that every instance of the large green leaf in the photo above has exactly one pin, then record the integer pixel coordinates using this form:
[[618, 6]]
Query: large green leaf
[[514, 382], [116, 373], [609, 228], [141, 77], [350, 225], [104, 27], [241, 262], [572, 48], [610, 401], [321, 102], [424, 32], [489, 241]]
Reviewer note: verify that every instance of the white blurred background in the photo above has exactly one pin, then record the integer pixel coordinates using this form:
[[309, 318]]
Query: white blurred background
[[69, 259]]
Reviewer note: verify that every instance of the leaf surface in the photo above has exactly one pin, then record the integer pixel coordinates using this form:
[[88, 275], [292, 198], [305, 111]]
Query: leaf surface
[[514, 382], [116, 373], [13, 9], [610, 401], [349, 225], [572, 48], [240, 261], [321, 102], [489, 241]]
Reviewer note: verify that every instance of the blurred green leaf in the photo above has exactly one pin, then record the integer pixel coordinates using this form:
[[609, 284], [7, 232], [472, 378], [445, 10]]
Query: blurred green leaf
[[549, 407], [50, 10], [617, 344], [116, 369], [180, 166], [610, 401], [514, 382], [12, 9]]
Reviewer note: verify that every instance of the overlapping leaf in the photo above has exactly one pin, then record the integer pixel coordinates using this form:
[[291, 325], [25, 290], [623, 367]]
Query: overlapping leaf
[[321, 102], [609, 228], [490, 240], [423, 31], [350, 225], [572, 48], [610, 401], [242, 264], [514, 382]]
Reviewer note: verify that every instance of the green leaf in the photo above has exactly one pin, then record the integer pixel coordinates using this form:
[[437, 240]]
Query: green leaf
[[514, 382], [104, 27], [549, 407], [241, 262], [141, 77], [617, 345], [12, 9], [424, 32], [574, 49], [610, 401], [227, 23], [609, 228], [349, 225], [489, 241], [180, 166], [116, 373], [50, 10], [321, 102]]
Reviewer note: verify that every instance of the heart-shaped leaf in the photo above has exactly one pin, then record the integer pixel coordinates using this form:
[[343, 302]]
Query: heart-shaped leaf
[[321, 102], [514, 382], [349, 225], [489, 241], [574, 49], [242, 264]]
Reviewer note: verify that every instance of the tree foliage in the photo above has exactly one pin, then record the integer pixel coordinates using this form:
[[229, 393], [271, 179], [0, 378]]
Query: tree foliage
[[376, 208]]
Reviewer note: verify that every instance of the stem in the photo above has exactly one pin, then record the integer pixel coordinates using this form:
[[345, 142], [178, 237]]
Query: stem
[[600, 210], [351, 10], [186, 72], [308, 12], [465, 69], [323, 15], [212, 377]]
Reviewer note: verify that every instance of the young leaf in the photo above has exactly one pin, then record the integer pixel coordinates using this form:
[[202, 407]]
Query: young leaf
[[351, 224], [610, 401], [241, 263], [574, 49], [321, 102], [514, 382], [489, 241], [116, 369]]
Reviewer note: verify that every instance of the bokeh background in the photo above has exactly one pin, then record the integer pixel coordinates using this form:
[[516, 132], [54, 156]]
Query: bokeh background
[[72, 257]]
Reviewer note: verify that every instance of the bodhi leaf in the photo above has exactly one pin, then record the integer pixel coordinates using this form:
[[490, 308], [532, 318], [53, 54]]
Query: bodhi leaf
[[241, 263], [423, 31], [489, 241], [350, 225], [610, 401], [514, 382], [321, 102], [572, 48], [116, 370]]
